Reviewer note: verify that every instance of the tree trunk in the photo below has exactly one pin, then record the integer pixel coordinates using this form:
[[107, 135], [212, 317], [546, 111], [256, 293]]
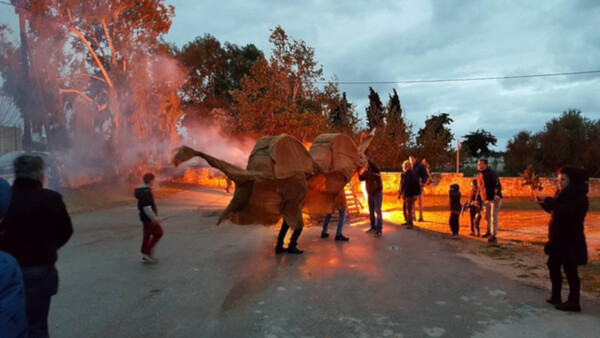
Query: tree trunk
[[26, 109]]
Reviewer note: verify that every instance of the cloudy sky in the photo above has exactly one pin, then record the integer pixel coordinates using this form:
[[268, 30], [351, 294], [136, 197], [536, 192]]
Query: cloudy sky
[[382, 41]]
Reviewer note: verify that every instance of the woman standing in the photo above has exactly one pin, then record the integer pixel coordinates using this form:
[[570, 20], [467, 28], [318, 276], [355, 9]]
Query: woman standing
[[566, 245]]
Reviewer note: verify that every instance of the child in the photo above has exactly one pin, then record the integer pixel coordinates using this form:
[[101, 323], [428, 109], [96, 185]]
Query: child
[[455, 209], [149, 217], [474, 204]]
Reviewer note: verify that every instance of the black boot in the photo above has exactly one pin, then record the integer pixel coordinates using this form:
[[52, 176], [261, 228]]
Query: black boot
[[568, 306], [294, 250]]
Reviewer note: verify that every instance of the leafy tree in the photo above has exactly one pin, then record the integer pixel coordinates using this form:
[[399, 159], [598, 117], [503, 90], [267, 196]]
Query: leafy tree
[[375, 112], [563, 140], [396, 133], [434, 141], [102, 64], [340, 111], [214, 71], [279, 95], [205, 61], [521, 151], [478, 142]]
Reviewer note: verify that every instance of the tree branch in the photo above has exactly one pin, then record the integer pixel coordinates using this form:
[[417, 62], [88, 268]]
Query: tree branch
[[80, 93], [94, 55], [113, 59]]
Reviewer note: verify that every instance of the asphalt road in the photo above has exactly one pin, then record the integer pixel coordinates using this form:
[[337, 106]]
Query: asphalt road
[[226, 281]]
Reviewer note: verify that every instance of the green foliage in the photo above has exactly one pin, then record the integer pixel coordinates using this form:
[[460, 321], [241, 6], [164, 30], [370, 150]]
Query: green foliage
[[434, 141], [478, 142], [521, 151], [569, 139], [279, 94], [375, 113], [214, 71]]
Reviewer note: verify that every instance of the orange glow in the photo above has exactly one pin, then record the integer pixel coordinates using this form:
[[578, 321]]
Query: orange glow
[[205, 177]]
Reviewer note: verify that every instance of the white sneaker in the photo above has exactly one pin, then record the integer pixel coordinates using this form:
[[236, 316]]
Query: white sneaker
[[149, 259]]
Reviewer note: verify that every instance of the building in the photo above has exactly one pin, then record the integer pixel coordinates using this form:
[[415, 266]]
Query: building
[[11, 139]]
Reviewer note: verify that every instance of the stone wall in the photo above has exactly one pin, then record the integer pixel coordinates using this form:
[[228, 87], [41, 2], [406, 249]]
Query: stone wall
[[511, 186]]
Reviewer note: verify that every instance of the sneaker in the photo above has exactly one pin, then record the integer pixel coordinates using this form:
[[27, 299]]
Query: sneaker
[[371, 230], [294, 250], [454, 236], [279, 249], [492, 239], [377, 233], [472, 233], [324, 235], [341, 238], [421, 219], [149, 259], [409, 226], [487, 234], [568, 306]]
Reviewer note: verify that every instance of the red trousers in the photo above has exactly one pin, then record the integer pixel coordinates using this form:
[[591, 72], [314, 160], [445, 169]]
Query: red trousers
[[152, 234]]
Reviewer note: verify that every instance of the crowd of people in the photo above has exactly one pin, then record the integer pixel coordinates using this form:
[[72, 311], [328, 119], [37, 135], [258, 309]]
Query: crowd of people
[[35, 224]]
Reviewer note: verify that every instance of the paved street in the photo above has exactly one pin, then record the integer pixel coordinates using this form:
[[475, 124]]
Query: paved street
[[226, 281]]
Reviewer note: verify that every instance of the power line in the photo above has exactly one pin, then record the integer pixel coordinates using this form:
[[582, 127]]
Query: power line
[[463, 79]]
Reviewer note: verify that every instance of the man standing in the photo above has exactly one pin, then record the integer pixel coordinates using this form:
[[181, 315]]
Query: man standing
[[491, 194], [35, 226], [423, 175], [371, 174], [410, 189]]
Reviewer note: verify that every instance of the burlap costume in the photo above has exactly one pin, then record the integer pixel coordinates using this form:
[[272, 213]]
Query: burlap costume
[[274, 183], [338, 157]]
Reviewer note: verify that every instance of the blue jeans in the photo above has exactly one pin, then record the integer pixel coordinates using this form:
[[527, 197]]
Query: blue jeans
[[41, 283], [375, 216], [341, 220]]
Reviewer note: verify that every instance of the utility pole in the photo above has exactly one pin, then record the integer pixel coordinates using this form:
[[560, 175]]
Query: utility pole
[[457, 153]]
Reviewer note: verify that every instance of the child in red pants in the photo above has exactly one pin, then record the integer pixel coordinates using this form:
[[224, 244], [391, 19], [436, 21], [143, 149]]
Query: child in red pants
[[149, 217]]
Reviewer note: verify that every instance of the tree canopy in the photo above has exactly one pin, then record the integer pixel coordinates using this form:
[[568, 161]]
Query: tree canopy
[[478, 142]]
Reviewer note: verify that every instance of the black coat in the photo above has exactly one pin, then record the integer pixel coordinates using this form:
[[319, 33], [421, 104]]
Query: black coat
[[36, 224], [489, 184], [409, 184], [566, 238], [372, 176]]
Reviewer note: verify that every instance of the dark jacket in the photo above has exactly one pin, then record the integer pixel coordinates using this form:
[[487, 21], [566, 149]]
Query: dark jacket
[[36, 224], [489, 184], [421, 171], [455, 205], [372, 176], [566, 238], [409, 184], [145, 198]]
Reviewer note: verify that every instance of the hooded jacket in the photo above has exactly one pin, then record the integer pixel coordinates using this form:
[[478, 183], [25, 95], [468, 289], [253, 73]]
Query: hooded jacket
[[145, 198], [455, 205]]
